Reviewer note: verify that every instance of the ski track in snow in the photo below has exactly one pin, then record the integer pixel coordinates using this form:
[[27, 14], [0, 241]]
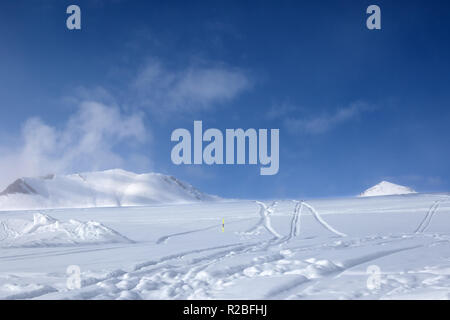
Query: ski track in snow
[[295, 222], [297, 266], [429, 216], [426, 220], [165, 238], [323, 222], [264, 221], [189, 281]]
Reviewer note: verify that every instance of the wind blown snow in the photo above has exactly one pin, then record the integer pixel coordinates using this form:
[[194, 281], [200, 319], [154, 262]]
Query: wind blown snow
[[45, 231], [109, 188], [318, 249]]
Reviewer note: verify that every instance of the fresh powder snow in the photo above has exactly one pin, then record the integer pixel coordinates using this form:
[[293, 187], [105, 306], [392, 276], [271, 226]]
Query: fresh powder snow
[[385, 247], [45, 231]]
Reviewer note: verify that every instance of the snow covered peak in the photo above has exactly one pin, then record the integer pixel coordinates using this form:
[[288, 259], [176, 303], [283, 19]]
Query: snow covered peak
[[385, 188], [109, 188]]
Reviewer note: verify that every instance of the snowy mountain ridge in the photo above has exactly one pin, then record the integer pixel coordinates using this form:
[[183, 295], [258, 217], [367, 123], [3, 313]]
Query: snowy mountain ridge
[[385, 188], [110, 188]]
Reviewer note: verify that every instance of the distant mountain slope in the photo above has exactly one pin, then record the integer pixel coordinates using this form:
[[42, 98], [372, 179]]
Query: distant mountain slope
[[98, 189], [385, 188]]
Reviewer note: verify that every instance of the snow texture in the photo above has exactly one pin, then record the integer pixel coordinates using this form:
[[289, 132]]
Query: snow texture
[[45, 231], [393, 247]]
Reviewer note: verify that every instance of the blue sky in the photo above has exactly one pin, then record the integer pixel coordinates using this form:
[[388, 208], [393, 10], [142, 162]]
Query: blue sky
[[353, 106]]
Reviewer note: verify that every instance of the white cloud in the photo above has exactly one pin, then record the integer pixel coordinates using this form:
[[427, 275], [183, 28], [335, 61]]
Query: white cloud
[[326, 122], [99, 134], [192, 89], [85, 142]]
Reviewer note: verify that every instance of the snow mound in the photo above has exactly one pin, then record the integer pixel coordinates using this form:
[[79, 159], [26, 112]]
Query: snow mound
[[385, 188], [110, 188], [45, 231]]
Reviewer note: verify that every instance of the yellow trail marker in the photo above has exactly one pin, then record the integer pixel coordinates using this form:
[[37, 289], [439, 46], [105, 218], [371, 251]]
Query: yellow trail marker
[[223, 225]]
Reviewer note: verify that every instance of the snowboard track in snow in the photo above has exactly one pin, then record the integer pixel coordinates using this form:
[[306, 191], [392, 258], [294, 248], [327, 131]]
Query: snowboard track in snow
[[292, 262], [182, 269], [194, 266]]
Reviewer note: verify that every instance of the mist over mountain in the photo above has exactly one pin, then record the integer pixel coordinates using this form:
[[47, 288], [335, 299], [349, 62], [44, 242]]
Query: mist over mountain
[[110, 188]]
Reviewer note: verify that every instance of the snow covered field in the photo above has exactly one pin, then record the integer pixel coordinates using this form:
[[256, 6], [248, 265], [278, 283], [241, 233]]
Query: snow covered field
[[351, 248]]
